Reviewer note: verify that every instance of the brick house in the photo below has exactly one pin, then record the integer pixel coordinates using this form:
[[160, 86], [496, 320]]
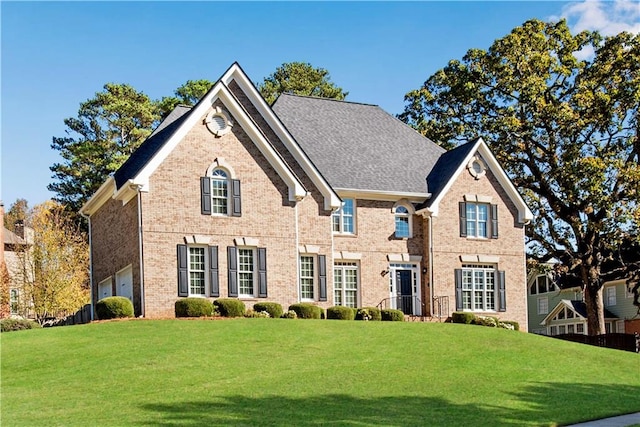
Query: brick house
[[331, 202]]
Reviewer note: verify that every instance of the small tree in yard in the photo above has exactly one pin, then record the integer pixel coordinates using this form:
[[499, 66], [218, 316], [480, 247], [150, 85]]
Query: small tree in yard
[[55, 267]]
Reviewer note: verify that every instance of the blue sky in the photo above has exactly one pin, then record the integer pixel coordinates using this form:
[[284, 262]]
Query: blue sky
[[56, 55]]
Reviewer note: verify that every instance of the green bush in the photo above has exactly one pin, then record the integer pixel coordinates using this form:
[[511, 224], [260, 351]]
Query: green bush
[[463, 317], [392, 315], [193, 307], [290, 315], [306, 310], [229, 307], [273, 308], [114, 308], [257, 314], [10, 325], [340, 312], [489, 321], [370, 313], [509, 324]]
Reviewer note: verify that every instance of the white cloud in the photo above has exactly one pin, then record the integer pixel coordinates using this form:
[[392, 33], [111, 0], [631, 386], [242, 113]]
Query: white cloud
[[606, 17]]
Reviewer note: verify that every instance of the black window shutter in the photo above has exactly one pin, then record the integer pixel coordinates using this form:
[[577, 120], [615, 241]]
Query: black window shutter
[[459, 306], [322, 277], [183, 276], [236, 202], [233, 271], [205, 195], [214, 282], [502, 294], [463, 219], [262, 272], [494, 221]]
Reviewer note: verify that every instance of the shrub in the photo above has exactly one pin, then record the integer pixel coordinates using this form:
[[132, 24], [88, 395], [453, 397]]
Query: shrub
[[193, 307], [340, 312], [254, 313], [10, 325], [368, 313], [114, 308], [229, 307], [273, 308], [290, 315], [463, 317], [306, 310], [392, 315], [489, 321], [509, 324]]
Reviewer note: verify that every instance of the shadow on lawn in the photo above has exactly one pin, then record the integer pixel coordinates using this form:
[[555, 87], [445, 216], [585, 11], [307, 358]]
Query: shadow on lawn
[[543, 403]]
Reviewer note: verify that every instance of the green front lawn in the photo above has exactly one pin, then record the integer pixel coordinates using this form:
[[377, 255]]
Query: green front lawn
[[278, 372]]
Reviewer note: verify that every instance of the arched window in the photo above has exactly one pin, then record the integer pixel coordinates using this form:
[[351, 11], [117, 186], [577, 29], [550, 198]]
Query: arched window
[[219, 192], [403, 222]]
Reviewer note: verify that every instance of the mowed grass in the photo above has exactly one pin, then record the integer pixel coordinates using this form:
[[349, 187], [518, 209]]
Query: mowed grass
[[277, 372]]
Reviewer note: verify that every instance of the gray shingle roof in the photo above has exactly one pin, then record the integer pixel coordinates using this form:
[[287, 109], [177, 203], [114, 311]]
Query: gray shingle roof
[[359, 146], [151, 145], [444, 169]]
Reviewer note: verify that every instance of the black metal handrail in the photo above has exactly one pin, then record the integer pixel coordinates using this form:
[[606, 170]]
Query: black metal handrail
[[405, 303]]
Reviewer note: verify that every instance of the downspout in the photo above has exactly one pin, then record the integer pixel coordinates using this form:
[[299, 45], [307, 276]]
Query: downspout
[[88, 218], [431, 275], [140, 252], [297, 250]]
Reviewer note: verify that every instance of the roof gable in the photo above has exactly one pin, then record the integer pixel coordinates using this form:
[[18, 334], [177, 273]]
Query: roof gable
[[451, 165], [134, 174], [359, 146], [578, 307]]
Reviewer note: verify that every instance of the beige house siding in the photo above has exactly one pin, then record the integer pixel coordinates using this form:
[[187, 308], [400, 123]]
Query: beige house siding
[[448, 246]]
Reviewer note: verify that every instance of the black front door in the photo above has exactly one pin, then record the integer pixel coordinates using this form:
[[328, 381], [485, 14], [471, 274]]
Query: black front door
[[403, 284]]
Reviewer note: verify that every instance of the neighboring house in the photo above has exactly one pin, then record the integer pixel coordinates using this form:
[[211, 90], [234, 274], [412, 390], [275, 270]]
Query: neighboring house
[[318, 200], [554, 311], [15, 246]]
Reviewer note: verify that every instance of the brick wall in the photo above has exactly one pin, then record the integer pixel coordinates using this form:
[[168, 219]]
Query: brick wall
[[448, 246]]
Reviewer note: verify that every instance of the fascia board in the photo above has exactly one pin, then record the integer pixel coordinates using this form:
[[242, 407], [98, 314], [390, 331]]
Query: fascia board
[[392, 196], [219, 91], [235, 73], [99, 198], [434, 206], [524, 213]]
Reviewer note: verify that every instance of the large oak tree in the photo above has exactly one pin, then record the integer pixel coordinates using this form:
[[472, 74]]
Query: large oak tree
[[567, 131]]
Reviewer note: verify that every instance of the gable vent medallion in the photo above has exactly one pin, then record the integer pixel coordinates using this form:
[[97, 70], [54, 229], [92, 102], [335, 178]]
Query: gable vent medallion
[[218, 122]]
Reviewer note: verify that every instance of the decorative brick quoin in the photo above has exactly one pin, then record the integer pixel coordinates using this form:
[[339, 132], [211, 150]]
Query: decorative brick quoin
[[308, 200]]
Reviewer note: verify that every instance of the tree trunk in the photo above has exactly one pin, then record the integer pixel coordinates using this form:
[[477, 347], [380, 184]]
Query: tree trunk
[[595, 309]]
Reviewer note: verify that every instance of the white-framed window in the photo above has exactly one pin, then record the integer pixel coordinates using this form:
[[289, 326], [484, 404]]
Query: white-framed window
[[580, 328], [479, 287], [345, 284], [197, 270], [219, 192], [611, 296], [620, 327], [14, 301], [477, 219], [542, 284], [246, 272], [543, 305], [343, 219], [307, 277], [403, 222]]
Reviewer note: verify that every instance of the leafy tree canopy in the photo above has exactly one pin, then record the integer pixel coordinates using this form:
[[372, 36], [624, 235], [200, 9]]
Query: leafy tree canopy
[[567, 132], [18, 212], [109, 127], [299, 78]]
